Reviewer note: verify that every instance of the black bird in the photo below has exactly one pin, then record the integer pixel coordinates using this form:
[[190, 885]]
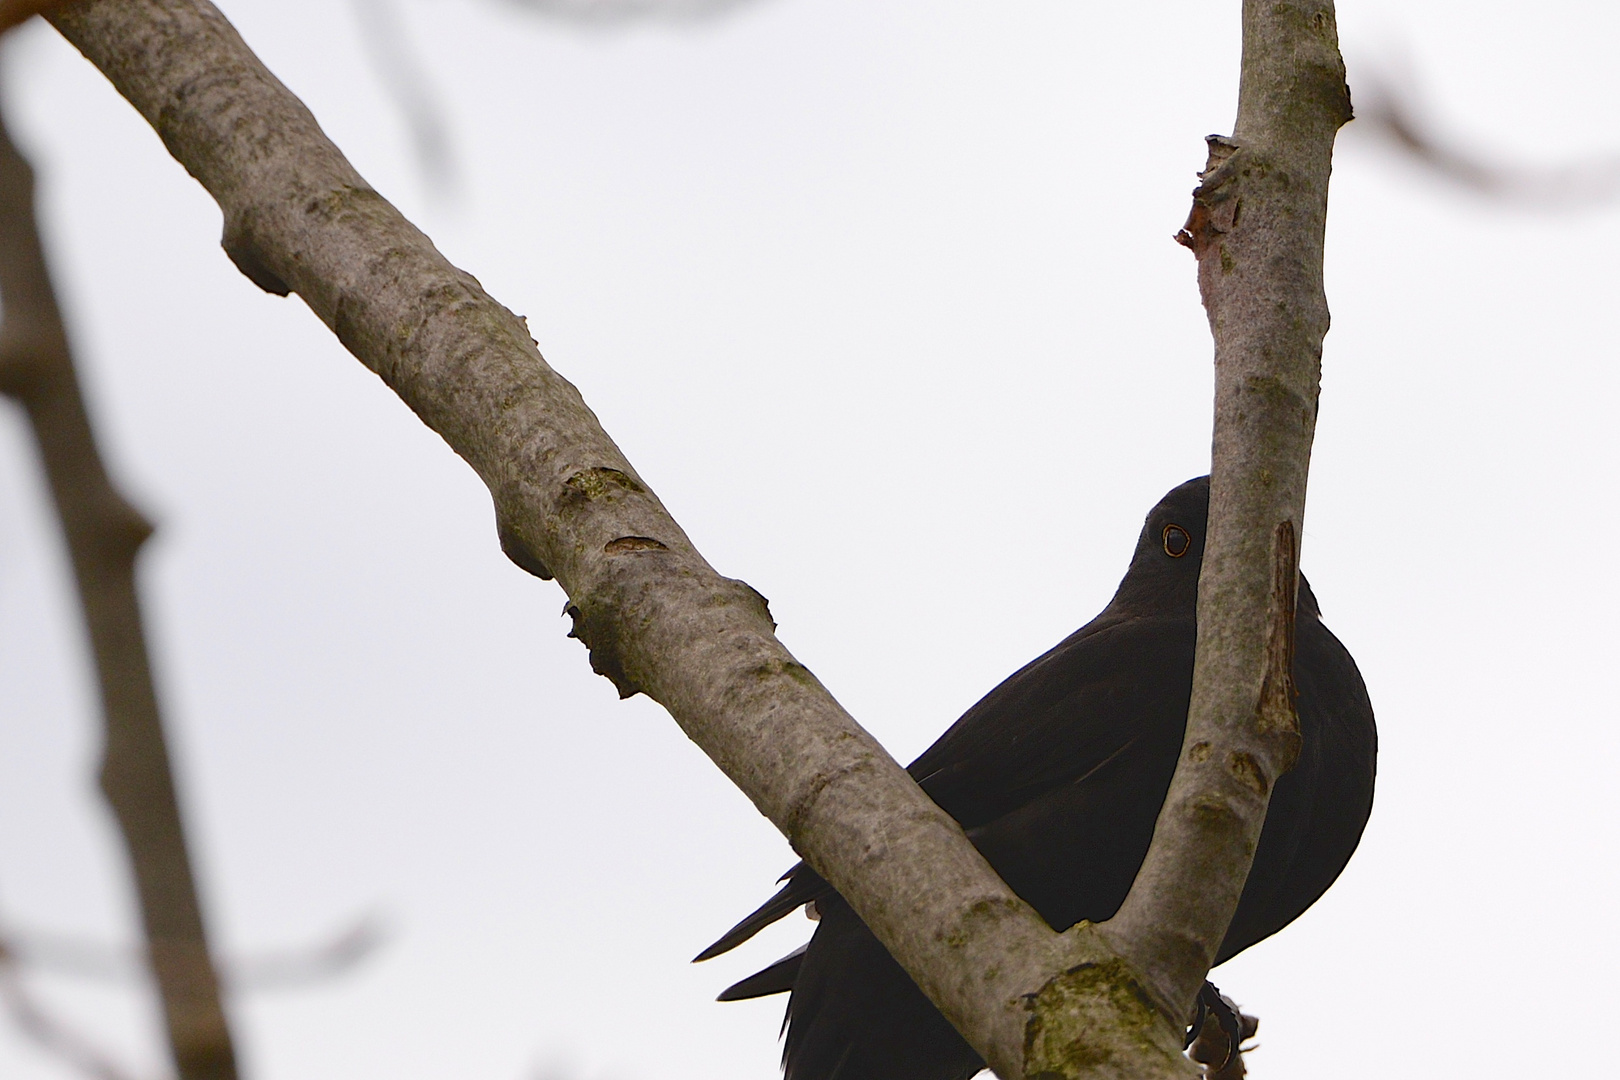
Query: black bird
[[1057, 776]]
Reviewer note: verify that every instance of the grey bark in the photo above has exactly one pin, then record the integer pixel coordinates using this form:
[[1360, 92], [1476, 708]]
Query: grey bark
[[656, 617], [104, 534], [1256, 227]]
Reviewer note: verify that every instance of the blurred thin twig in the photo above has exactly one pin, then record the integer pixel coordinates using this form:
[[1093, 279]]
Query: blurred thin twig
[[279, 970], [104, 533], [623, 11], [49, 1033], [406, 80], [1392, 109]]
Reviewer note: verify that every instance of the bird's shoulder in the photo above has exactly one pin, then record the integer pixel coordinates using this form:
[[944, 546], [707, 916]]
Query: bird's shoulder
[[1062, 714]]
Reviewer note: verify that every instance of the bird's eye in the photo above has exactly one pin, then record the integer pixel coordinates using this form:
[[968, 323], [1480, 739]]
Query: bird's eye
[[1176, 541]]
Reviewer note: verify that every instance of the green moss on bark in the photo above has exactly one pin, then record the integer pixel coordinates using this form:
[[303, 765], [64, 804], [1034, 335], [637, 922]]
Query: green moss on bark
[[1099, 1020]]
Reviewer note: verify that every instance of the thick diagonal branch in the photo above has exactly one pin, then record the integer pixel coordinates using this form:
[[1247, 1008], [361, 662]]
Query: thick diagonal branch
[[656, 617], [104, 534], [1257, 227]]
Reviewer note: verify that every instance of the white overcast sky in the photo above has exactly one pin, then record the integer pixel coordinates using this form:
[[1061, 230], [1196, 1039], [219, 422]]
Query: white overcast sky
[[880, 296]]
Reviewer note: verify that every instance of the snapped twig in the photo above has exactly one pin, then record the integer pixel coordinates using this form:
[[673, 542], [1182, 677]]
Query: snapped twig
[[282, 969], [405, 79], [612, 12]]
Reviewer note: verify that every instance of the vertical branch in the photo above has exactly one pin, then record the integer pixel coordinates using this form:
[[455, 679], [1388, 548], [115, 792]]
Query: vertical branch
[[104, 534], [1256, 227]]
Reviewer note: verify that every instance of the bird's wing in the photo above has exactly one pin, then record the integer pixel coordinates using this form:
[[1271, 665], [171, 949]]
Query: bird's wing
[[1061, 717]]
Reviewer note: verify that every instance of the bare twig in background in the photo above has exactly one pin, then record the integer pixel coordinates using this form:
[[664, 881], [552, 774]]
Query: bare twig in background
[[405, 78], [1391, 108], [64, 955], [280, 970], [104, 533], [46, 1031], [602, 12], [291, 968]]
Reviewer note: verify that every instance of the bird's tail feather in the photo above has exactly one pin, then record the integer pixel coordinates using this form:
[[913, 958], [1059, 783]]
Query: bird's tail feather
[[776, 979], [803, 885]]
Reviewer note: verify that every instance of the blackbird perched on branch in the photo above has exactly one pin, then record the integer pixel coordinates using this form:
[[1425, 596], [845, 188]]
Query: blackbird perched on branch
[[1057, 776]]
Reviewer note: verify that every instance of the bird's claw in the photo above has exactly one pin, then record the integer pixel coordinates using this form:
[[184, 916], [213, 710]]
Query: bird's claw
[[1211, 1002]]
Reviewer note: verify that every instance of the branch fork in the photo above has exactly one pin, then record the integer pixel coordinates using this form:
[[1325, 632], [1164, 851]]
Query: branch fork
[[1095, 1002]]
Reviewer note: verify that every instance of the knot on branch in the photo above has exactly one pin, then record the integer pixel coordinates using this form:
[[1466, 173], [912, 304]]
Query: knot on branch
[[600, 482], [757, 598], [19, 368], [1215, 206], [1276, 718], [514, 547], [627, 544], [242, 249], [118, 529], [606, 624], [597, 628]]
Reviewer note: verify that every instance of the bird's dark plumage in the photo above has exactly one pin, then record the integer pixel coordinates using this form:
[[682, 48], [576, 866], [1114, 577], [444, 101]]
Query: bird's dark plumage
[[1057, 776]]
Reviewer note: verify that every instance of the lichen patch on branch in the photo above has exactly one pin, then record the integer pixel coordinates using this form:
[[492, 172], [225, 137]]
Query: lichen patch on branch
[[1099, 1020]]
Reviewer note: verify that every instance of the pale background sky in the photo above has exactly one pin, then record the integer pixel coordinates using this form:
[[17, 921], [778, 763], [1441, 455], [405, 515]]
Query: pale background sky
[[881, 297]]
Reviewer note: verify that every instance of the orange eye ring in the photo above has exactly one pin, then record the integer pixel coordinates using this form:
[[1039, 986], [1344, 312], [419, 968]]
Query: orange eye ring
[[1177, 542]]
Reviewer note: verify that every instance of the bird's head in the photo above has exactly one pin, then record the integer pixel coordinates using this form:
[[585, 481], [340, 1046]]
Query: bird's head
[[1172, 540], [1163, 576]]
